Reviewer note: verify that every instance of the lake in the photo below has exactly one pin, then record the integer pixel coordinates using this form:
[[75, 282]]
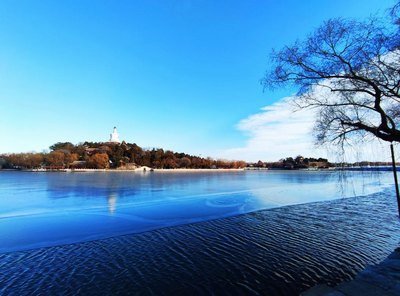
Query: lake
[[157, 233]]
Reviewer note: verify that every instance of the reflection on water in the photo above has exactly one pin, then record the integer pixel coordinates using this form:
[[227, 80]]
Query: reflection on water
[[112, 202], [45, 209]]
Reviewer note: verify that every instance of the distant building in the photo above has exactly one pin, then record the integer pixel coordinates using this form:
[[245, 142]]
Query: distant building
[[114, 137], [77, 164], [90, 151]]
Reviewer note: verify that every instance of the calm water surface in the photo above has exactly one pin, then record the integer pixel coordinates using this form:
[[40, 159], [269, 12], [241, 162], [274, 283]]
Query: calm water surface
[[86, 233], [45, 209]]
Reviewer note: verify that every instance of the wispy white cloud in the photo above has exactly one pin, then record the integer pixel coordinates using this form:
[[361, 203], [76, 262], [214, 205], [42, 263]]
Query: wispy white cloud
[[280, 130], [276, 132]]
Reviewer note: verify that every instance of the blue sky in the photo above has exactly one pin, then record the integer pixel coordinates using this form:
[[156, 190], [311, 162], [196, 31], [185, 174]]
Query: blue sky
[[181, 75]]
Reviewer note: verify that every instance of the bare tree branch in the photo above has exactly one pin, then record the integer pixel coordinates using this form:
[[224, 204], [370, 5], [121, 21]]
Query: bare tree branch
[[348, 71]]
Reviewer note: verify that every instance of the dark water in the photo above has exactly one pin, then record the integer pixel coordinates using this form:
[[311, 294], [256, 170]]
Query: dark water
[[280, 251]]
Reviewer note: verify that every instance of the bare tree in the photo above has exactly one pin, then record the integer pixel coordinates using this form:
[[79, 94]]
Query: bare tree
[[349, 71], [395, 13], [359, 66]]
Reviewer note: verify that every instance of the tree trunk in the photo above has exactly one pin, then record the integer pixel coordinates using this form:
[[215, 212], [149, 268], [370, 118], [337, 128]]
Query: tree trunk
[[395, 177]]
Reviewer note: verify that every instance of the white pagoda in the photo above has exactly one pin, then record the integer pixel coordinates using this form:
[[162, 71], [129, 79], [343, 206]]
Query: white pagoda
[[114, 137]]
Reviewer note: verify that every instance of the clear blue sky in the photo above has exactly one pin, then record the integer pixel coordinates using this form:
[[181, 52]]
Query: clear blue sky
[[174, 74]]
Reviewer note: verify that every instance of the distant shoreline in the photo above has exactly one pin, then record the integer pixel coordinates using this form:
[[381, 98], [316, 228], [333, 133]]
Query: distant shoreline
[[196, 170], [187, 170], [138, 170]]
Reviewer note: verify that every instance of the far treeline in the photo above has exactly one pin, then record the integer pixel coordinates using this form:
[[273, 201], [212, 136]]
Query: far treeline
[[291, 163], [111, 155], [299, 162]]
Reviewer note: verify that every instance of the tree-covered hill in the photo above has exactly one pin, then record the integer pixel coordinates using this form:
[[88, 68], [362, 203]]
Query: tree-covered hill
[[100, 155]]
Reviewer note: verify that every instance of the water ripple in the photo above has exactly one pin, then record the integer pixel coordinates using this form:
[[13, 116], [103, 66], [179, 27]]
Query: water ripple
[[281, 251]]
